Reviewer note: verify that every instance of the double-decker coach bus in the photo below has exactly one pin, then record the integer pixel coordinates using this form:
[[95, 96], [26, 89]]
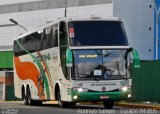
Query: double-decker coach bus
[[73, 61]]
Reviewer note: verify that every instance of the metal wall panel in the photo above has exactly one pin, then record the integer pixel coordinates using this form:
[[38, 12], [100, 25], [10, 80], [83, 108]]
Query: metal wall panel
[[138, 18], [146, 81], [32, 5], [1, 91]]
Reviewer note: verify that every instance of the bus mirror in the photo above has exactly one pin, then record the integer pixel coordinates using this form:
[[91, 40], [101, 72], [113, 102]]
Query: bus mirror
[[136, 61], [69, 58]]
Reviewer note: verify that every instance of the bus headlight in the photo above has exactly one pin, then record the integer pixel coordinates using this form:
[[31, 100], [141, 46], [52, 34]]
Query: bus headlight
[[129, 95], [80, 89], [124, 89]]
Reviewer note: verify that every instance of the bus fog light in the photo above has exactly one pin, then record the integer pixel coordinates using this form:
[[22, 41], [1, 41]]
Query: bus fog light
[[75, 97], [129, 95]]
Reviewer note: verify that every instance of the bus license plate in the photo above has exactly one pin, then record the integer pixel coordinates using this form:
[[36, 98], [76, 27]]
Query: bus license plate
[[104, 97]]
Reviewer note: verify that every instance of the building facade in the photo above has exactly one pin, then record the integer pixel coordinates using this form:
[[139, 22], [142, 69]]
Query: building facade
[[6, 75], [141, 24], [6, 85], [34, 13]]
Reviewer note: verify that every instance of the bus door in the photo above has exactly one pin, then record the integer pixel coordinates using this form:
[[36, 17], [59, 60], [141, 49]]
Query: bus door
[[63, 45]]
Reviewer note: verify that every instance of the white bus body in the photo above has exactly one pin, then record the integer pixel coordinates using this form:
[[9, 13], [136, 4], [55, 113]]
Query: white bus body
[[73, 61]]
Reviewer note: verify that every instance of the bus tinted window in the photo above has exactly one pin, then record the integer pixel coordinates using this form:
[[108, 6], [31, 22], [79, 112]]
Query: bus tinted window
[[63, 46], [16, 49], [97, 33], [44, 37], [54, 34], [50, 38], [47, 36], [22, 43], [29, 43], [37, 41]]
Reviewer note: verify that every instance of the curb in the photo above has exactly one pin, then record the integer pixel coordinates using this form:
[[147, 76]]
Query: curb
[[119, 104], [129, 105], [138, 106]]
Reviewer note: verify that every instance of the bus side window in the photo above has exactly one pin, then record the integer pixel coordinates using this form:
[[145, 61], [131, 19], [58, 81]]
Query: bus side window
[[63, 44], [48, 37], [44, 37], [28, 44], [22, 43], [54, 40], [32, 42], [39, 42], [16, 49], [63, 34]]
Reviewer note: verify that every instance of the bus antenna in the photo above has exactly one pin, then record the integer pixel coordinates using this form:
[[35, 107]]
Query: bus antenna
[[16, 23]]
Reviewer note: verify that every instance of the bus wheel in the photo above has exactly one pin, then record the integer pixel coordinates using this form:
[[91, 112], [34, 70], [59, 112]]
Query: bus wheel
[[29, 98], [24, 97], [38, 103], [108, 104], [72, 104], [61, 103]]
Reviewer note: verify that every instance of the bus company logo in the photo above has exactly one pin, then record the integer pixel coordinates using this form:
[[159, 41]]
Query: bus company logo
[[103, 88], [45, 57]]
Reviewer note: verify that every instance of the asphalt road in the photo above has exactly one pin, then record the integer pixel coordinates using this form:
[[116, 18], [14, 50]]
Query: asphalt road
[[50, 108]]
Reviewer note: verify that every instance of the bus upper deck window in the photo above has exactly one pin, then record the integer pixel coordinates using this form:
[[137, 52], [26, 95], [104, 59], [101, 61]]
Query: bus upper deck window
[[63, 30], [62, 26], [63, 33]]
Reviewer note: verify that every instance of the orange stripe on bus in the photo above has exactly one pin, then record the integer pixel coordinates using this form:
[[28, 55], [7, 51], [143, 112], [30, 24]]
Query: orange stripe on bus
[[27, 70]]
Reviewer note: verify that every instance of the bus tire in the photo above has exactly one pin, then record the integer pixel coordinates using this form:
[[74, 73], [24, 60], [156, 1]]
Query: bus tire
[[72, 104], [25, 100], [24, 96], [62, 104], [29, 98], [108, 104], [38, 103]]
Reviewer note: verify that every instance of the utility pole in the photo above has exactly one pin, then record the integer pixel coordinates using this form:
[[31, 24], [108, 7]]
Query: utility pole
[[65, 12]]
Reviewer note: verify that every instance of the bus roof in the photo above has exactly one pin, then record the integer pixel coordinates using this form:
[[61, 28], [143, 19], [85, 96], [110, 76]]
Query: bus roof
[[93, 18]]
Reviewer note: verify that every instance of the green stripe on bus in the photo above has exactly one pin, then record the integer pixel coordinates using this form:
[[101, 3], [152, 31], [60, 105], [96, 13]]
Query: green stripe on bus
[[39, 66], [95, 96]]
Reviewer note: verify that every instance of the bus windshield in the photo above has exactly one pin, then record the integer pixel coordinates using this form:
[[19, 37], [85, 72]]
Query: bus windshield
[[97, 33], [101, 64]]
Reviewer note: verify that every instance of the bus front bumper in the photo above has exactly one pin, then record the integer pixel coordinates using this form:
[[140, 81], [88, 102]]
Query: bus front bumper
[[99, 96]]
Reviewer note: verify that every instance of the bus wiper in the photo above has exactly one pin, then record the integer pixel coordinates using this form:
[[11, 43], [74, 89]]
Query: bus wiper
[[122, 76], [88, 76], [106, 55], [108, 73], [83, 74], [97, 52]]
